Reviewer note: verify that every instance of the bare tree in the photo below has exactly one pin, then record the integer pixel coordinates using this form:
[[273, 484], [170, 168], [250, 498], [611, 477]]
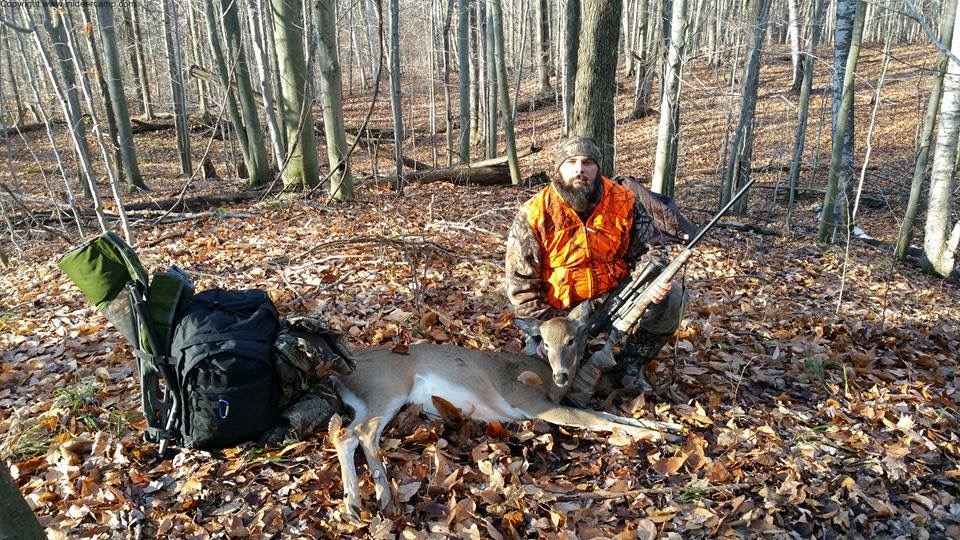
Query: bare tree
[[508, 133], [737, 173], [841, 159], [665, 166], [118, 100], [331, 97], [300, 169], [942, 232], [171, 36], [926, 132]]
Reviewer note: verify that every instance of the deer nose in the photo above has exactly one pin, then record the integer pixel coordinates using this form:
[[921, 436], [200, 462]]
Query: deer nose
[[560, 379]]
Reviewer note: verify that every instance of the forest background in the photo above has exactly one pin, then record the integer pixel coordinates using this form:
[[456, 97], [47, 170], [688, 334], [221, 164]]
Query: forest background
[[816, 367]]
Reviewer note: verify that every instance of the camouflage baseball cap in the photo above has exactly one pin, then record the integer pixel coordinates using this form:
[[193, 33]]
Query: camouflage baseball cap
[[577, 146]]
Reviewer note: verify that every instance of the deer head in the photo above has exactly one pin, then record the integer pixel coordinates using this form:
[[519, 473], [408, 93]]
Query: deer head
[[564, 339]]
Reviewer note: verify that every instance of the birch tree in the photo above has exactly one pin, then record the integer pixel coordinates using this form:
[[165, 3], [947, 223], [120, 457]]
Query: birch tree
[[841, 159], [926, 132], [941, 236]]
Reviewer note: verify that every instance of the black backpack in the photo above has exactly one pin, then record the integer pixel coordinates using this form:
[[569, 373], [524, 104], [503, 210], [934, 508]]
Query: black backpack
[[221, 354]]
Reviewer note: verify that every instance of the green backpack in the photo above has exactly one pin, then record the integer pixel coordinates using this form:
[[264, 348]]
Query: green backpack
[[110, 275]]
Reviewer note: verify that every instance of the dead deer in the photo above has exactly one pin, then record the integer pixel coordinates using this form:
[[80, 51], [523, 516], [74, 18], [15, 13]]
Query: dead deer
[[485, 385]]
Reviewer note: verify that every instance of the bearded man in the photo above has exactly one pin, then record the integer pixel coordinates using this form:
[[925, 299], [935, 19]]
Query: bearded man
[[577, 239]]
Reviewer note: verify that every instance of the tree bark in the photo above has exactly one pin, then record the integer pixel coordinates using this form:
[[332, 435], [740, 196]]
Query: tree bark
[[254, 150], [592, 112], [819, 10], [926, 133], [463, 53], [17, 521], [741, 152], [331, 98], [664, 169], [508, 127], [571, 45], [177, 90], [301, 156], [118, 100], [841, 159], [542, 46], [940, 245]]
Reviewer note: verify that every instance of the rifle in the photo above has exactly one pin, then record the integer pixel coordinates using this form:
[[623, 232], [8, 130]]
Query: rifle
[[622, 309]]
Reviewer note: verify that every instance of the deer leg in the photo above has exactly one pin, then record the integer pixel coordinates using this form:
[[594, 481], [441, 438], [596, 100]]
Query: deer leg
[[597, 421], [369, 433], [345, 442]]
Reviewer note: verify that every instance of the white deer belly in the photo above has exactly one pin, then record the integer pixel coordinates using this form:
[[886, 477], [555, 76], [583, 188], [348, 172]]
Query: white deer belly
[[483, 403]]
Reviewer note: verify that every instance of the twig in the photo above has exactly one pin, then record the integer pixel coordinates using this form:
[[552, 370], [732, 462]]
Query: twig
[[603, 494]]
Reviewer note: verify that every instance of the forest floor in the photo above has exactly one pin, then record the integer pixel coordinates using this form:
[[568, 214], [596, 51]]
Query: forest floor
[[818, 383]]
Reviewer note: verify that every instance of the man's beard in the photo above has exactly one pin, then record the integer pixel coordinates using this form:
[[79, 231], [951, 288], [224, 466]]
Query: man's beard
[[580, 197]]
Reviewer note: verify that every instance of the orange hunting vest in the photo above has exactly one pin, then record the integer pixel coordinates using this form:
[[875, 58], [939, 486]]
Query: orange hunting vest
[[581, 260]]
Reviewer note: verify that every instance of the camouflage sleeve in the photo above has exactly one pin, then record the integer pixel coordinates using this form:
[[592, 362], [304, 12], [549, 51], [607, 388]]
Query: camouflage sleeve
[[523, 283], [641, 239]]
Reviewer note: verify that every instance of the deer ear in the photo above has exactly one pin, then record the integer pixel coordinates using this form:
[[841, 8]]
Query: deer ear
[[529, 325], [581, 314]]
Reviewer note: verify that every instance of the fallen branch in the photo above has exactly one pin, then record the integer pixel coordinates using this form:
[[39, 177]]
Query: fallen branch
[[489, 172]]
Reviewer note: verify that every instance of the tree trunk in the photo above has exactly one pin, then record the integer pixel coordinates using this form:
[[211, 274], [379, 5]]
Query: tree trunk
[[177, 89], [331, 99], [70, 97], [741, 152], [819, 11], [17, 521], [841, 159], [447, 100], [254, 150], [642, 72], [542, 46], [490, 87], [796, 58], [664, 169], [939, 245], [463, 52], [592, 112], [300, 169], [571, 46], [395, 105], [256, 21], [926, 133], [508, 127], [118, 100], [139, 63]]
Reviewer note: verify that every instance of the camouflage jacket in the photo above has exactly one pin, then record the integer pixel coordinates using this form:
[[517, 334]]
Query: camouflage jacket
[[524, 283]]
